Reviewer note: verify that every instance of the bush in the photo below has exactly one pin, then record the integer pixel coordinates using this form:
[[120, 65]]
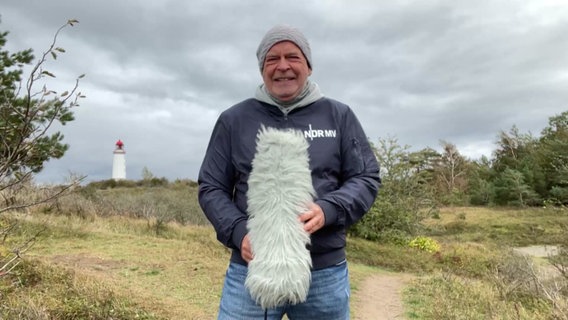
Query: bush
[[159, 205], [518, 278], [404, 200], [425, 244]]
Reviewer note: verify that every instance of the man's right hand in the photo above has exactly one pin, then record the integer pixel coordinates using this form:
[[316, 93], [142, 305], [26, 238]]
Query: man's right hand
[[246, 249]]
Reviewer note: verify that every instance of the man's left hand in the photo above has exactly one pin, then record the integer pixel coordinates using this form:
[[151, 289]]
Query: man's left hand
[[313, 219]]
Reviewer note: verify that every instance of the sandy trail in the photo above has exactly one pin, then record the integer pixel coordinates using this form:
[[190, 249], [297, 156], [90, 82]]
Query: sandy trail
[[380, 297]]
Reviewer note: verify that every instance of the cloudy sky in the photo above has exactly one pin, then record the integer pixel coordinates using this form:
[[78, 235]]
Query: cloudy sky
[[158, 73]]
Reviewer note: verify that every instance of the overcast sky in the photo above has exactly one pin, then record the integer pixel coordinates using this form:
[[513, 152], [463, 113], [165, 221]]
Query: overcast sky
[[158, 73]]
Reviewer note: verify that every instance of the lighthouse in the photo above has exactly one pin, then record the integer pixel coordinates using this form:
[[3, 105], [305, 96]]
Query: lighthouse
[[119, 162]]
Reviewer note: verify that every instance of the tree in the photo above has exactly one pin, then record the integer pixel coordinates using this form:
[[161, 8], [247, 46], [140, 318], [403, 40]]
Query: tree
[[147, 175], [405, 197], [553, 152], [480, 185], [451, 174], [27, 113], [26, 116], [511, 189], [518, 153]]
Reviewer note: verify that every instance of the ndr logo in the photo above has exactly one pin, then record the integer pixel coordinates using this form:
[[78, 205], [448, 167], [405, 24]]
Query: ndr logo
[[319, 133]]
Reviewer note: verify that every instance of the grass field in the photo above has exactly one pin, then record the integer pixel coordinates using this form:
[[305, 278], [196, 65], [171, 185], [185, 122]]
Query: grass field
[[93, 267]]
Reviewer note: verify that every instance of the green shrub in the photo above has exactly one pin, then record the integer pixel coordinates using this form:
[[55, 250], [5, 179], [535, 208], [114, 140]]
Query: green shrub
[[425, 244]]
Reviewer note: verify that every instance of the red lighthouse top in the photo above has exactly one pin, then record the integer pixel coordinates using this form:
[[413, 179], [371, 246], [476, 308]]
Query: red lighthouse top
[[119, 144]]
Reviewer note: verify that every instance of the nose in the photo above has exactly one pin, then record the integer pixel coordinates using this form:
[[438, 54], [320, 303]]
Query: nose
[[283, 64]]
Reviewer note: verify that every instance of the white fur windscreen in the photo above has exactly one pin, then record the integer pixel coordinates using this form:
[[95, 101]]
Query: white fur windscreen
[[280, 188]]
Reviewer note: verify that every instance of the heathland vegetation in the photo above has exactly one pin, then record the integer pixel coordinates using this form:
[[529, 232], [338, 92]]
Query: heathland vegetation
[[135, 251], [144, 250]]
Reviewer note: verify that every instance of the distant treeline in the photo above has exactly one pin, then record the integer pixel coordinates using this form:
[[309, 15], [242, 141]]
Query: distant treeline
[[523, 170]]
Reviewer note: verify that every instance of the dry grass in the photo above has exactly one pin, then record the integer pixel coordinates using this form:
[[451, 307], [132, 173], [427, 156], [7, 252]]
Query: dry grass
[[445, 296], [178, 278], [482, 278], [178, 274], [500, 226]]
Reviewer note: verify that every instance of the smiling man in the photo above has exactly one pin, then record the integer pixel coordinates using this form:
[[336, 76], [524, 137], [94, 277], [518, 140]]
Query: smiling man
[[344, 174], [285, 71]]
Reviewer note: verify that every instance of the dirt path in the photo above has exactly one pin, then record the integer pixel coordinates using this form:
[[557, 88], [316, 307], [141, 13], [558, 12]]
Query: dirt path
[[380, 297]]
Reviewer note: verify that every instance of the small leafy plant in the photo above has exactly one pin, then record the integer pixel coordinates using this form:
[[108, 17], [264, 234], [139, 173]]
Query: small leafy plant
[[425, 244]]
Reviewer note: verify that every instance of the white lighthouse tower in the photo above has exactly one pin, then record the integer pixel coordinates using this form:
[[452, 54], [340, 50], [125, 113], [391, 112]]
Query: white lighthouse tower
[[119, 162]]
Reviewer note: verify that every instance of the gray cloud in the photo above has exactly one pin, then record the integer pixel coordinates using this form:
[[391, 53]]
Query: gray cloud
[[159, 74]]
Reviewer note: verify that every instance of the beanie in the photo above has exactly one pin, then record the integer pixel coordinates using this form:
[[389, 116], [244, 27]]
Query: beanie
[[281, 33]]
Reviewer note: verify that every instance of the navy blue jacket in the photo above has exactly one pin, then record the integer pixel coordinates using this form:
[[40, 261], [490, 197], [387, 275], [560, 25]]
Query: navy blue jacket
[[345, 172]]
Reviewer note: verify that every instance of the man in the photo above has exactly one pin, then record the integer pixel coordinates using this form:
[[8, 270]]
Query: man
[[344, 172]]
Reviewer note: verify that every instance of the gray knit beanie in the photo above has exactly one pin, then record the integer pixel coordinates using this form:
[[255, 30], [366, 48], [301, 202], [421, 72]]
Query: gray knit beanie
[[281, 33]]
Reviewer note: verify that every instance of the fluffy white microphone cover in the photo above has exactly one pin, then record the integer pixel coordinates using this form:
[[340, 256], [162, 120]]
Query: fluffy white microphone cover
[[280, 188]]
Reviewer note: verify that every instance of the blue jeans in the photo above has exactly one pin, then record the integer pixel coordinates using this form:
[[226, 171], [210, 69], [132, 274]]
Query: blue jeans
[[328, 297]]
